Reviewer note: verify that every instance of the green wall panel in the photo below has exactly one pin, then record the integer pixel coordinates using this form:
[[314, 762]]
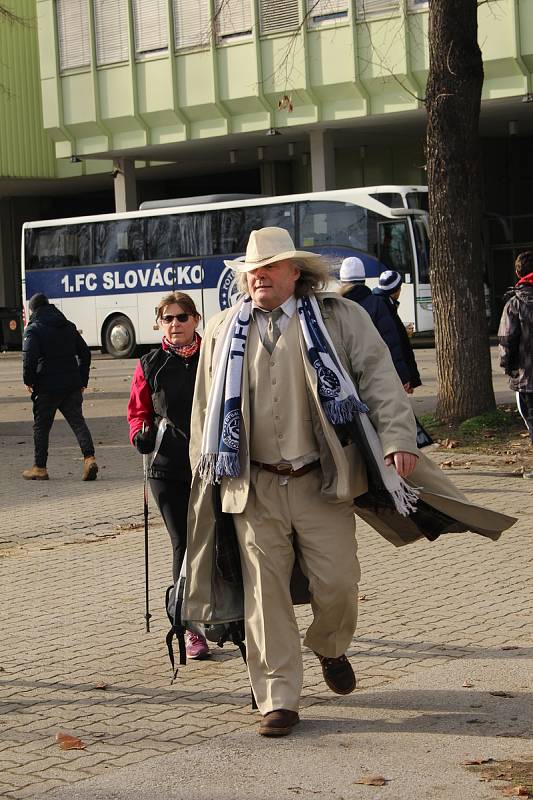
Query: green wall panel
[[25, 149]]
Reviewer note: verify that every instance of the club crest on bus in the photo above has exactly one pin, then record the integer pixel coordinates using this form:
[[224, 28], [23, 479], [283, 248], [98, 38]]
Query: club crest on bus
[[227, 289]]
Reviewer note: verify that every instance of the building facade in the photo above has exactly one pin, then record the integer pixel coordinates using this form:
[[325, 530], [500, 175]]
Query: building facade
[[145, 99]]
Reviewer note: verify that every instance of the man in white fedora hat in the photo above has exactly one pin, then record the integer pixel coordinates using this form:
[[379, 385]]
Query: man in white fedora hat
[[297, 411]]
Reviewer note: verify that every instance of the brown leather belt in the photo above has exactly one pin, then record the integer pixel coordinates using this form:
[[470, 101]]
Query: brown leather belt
[[286, 469]]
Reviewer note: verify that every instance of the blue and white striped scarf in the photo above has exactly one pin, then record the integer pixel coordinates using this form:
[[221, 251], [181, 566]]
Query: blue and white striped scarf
[[336, 391]]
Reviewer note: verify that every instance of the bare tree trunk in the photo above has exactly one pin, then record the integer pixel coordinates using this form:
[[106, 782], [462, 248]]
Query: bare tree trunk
[[453, 104]]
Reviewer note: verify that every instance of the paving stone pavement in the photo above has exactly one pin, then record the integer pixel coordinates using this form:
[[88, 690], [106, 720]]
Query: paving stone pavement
[[75, 657]]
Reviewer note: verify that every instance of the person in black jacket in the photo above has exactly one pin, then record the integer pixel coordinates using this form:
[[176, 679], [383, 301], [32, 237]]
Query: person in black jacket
[[388, 289], [353, 287], [159, 416], [515, 337], [55, 370]]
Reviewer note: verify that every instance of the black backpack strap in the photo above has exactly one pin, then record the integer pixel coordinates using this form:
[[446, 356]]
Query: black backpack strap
[[176, 630], [236, 634], [179, 633]]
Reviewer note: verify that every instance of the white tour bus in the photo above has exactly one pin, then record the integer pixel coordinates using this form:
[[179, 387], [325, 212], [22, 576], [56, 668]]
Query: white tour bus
[[107, 273]]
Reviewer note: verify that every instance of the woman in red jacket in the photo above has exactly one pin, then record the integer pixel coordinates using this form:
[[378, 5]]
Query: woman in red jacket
[[161, 402]]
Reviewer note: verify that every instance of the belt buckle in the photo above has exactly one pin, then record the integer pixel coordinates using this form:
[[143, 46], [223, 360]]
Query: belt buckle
[[284, 469]]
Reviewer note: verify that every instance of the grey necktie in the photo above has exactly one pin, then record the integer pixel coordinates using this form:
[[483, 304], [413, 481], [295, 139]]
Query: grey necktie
[[272, 332]]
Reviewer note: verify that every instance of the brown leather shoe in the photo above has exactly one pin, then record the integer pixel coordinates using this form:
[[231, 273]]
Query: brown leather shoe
[[35, 474], [338, 674], [278, 723], [90, 469]]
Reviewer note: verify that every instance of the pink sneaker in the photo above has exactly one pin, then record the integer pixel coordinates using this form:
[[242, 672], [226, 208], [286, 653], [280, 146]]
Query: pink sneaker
[[196, 646]]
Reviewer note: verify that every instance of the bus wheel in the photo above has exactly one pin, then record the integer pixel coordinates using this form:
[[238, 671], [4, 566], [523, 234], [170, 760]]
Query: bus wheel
[[119, 337]]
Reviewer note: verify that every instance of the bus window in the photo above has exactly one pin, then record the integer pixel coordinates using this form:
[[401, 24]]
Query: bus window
[[390, 199], [61, 246], [118, 241], [230, 235], [333, 223], [417, 200], [278, 216], [179, 236], [393, 247]]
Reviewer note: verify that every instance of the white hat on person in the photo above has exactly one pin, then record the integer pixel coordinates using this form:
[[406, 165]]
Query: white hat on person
[[390, 281], [267, 245], [352, 269]]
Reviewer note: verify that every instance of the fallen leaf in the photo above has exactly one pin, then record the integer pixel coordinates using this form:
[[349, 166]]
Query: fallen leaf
[[67, 742], [475, 761], [501, 694], [101, 686], [510, 647], [516, 791], [450, 444], [467, 685], [362, 597], [372, 780]]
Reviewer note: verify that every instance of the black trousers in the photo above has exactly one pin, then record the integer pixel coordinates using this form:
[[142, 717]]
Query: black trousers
[[172, 498], [525, 406], [45, 407]]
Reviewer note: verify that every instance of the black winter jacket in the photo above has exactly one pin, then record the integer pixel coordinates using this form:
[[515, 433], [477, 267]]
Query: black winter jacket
[[171, 380], [55, 358], [380, 314], [407, 350], [515, 337]]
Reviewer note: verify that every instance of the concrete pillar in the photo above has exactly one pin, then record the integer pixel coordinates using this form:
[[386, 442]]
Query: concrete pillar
[[125, 185], [322, 160], [276, 178]]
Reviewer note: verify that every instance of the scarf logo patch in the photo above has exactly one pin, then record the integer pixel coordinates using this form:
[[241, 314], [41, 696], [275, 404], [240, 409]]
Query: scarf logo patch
[[230, 430], [328, 383]]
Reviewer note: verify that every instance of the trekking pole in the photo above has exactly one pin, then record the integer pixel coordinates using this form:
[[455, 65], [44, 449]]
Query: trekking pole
[[147, 598]]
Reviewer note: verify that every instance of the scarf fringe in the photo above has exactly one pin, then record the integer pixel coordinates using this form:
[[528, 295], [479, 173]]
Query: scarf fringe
[[228, 464], [207, 467], [405, 499], [341, 411]]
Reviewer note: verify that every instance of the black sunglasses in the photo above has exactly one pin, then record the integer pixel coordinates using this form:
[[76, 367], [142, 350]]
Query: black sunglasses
[[183, 317]]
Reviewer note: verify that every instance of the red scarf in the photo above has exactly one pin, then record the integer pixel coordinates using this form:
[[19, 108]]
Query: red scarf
[[527, 280], [184, 350]]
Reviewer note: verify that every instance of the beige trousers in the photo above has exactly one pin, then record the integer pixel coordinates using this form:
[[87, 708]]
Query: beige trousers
[[325, 534]]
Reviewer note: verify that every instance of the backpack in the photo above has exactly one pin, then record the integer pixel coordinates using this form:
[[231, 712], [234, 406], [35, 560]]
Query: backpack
[[219, 633]]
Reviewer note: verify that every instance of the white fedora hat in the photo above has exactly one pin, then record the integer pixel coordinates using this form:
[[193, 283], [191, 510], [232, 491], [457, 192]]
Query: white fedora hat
[[266, 246]]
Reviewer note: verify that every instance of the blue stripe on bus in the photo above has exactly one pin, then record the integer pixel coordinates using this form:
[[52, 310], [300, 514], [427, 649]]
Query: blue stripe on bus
[[156, 276]]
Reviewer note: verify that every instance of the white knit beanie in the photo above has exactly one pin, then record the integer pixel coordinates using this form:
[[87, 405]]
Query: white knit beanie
[[352, 269]]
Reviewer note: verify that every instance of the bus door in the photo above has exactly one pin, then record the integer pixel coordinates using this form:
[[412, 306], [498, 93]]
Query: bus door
[[395, 252], [424, 299]]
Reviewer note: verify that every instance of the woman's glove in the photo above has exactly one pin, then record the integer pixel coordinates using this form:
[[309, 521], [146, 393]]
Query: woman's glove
[[144, 441]]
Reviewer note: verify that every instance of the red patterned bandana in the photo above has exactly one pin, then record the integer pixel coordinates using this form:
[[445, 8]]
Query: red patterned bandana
[[186, 350]]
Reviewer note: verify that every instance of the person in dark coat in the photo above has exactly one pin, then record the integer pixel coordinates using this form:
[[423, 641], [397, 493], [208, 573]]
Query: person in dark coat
[[515, 337], [352, 276], [55, 370], [388, 289], [159, 416]]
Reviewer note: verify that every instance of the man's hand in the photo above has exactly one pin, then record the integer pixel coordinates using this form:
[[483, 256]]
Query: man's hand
[[408, 389], [30, 389], [404, 463]]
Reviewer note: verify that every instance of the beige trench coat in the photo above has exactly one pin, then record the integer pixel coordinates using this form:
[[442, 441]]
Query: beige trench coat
[[366, 357]]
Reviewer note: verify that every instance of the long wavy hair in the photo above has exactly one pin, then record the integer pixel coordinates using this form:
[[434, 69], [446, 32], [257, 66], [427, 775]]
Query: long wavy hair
[[315, 272]]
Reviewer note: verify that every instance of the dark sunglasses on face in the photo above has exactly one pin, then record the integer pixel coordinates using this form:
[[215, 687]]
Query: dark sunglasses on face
[[167, 318]]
